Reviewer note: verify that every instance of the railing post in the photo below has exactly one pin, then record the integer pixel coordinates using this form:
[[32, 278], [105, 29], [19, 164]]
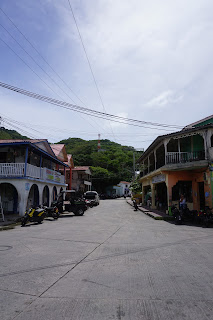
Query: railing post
[[40, 164], [25, 164]]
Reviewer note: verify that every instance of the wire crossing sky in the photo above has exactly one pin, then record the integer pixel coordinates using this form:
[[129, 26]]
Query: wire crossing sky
[[152, 61]]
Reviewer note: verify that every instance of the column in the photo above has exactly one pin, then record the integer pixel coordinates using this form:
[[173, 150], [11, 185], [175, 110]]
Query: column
[[25, 165], [148, 164], [70, 183], [155, 159], [153, 196], [179, 157]]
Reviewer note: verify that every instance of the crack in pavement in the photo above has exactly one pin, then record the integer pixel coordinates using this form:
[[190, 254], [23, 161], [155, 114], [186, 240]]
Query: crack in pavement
[[25, 294], [84, 260], [40, 295]]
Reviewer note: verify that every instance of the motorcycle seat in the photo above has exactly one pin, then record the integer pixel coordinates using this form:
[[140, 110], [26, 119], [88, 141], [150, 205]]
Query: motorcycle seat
[[39, 210]]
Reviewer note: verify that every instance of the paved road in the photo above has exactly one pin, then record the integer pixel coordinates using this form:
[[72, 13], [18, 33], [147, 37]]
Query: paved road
[[112, 263]]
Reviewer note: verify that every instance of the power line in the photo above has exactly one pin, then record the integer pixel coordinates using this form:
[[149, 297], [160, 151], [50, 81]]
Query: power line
[[38, 64], [87, 111], [90, 66], [41, 55]]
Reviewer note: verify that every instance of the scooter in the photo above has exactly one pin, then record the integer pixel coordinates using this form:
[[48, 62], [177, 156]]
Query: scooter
[[33, 215], [52, 212], [178, 215], [135, 205]]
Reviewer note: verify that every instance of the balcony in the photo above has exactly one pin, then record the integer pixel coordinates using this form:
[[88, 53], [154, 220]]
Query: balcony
[[15, 170], [183, 157]]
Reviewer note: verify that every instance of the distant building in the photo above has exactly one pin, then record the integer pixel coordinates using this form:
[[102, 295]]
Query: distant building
[[124, 187], [81, 179], [60, 152]]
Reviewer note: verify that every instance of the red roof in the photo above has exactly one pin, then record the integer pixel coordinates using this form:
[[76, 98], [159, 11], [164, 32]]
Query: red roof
[[124, 182]]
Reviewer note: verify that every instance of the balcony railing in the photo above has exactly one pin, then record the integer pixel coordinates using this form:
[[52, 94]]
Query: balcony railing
[[17, 170], [182, 157]]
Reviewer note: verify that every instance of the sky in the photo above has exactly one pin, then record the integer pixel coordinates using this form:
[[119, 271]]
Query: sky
[[151, 60]]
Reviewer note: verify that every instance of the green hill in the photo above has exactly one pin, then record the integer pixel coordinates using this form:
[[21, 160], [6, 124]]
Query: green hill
[[6, 134], [110, 165]]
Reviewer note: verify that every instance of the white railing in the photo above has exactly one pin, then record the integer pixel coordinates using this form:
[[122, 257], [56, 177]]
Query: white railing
[[17, 170], [12, 169], [181, 157], [33, 171]]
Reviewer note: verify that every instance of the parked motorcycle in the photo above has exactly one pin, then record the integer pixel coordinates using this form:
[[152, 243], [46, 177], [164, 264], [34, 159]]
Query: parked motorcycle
[[90, 203], [135, 205], [177, 214], [52, 211], [33, 215], [207, 217]]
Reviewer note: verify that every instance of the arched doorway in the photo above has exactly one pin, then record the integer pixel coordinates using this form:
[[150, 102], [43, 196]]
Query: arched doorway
[[54, 197], [46, 196], [33, 197], [9, 198]]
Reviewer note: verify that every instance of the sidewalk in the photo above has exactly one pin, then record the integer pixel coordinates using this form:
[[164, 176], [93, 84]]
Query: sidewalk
[[9, 221], [153, 213]]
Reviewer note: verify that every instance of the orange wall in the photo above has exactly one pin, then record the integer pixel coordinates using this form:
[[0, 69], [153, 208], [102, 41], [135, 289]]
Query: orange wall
[[194, 176]]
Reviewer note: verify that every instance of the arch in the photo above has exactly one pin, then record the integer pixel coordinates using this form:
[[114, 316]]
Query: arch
[[46, 196], [9, 198], [33, 197], [54, 194]]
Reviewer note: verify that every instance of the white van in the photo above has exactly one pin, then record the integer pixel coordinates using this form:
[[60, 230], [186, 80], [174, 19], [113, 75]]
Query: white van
[[93, 196]]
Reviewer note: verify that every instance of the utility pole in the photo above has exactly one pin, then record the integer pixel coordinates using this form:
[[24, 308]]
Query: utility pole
[[99, 142], [138, 149]]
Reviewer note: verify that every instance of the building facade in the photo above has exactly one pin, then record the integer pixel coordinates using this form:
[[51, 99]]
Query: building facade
[[29, 174], [81, 179], [179, 163]]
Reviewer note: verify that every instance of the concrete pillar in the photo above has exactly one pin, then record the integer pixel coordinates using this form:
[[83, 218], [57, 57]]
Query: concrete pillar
[[143, 195], [165, 147], [148, 164], [155, 159], [153, 196], [22, 200]]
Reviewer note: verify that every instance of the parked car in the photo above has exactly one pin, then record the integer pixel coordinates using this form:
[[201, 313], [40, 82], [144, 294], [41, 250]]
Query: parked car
[[93, 197], [70, 201]]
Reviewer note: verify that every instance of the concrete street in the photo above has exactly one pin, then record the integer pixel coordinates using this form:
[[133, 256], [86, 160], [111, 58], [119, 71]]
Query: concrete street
[[112, 263]]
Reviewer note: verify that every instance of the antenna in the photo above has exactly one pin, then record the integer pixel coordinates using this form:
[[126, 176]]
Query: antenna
[[99, 142]]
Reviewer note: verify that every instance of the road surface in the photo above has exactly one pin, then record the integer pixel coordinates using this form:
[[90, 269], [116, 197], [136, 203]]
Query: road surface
[[111, 263]]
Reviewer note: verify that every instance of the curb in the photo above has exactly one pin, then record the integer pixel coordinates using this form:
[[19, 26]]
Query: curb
[[153, 215], [10, 226]]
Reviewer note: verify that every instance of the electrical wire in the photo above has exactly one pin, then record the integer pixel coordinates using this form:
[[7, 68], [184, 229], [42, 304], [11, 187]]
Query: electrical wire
[[38, 66], [90, 66], [91, 112]]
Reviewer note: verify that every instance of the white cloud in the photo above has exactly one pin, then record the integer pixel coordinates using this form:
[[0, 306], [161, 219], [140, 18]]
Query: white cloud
[[151, 59], [162, 100]]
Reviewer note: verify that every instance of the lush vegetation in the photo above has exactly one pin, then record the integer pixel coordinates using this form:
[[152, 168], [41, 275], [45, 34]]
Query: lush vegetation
[[6, 134], [110, 165]]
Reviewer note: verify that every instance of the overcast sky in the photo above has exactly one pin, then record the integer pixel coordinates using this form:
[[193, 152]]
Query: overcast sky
[[152, 61]]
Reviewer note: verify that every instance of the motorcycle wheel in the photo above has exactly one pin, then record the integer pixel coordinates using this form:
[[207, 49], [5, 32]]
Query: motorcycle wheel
[[79, 212], [24, 221]]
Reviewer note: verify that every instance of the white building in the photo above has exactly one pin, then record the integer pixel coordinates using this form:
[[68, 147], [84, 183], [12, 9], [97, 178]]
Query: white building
[[29, 174], [124, 187]]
